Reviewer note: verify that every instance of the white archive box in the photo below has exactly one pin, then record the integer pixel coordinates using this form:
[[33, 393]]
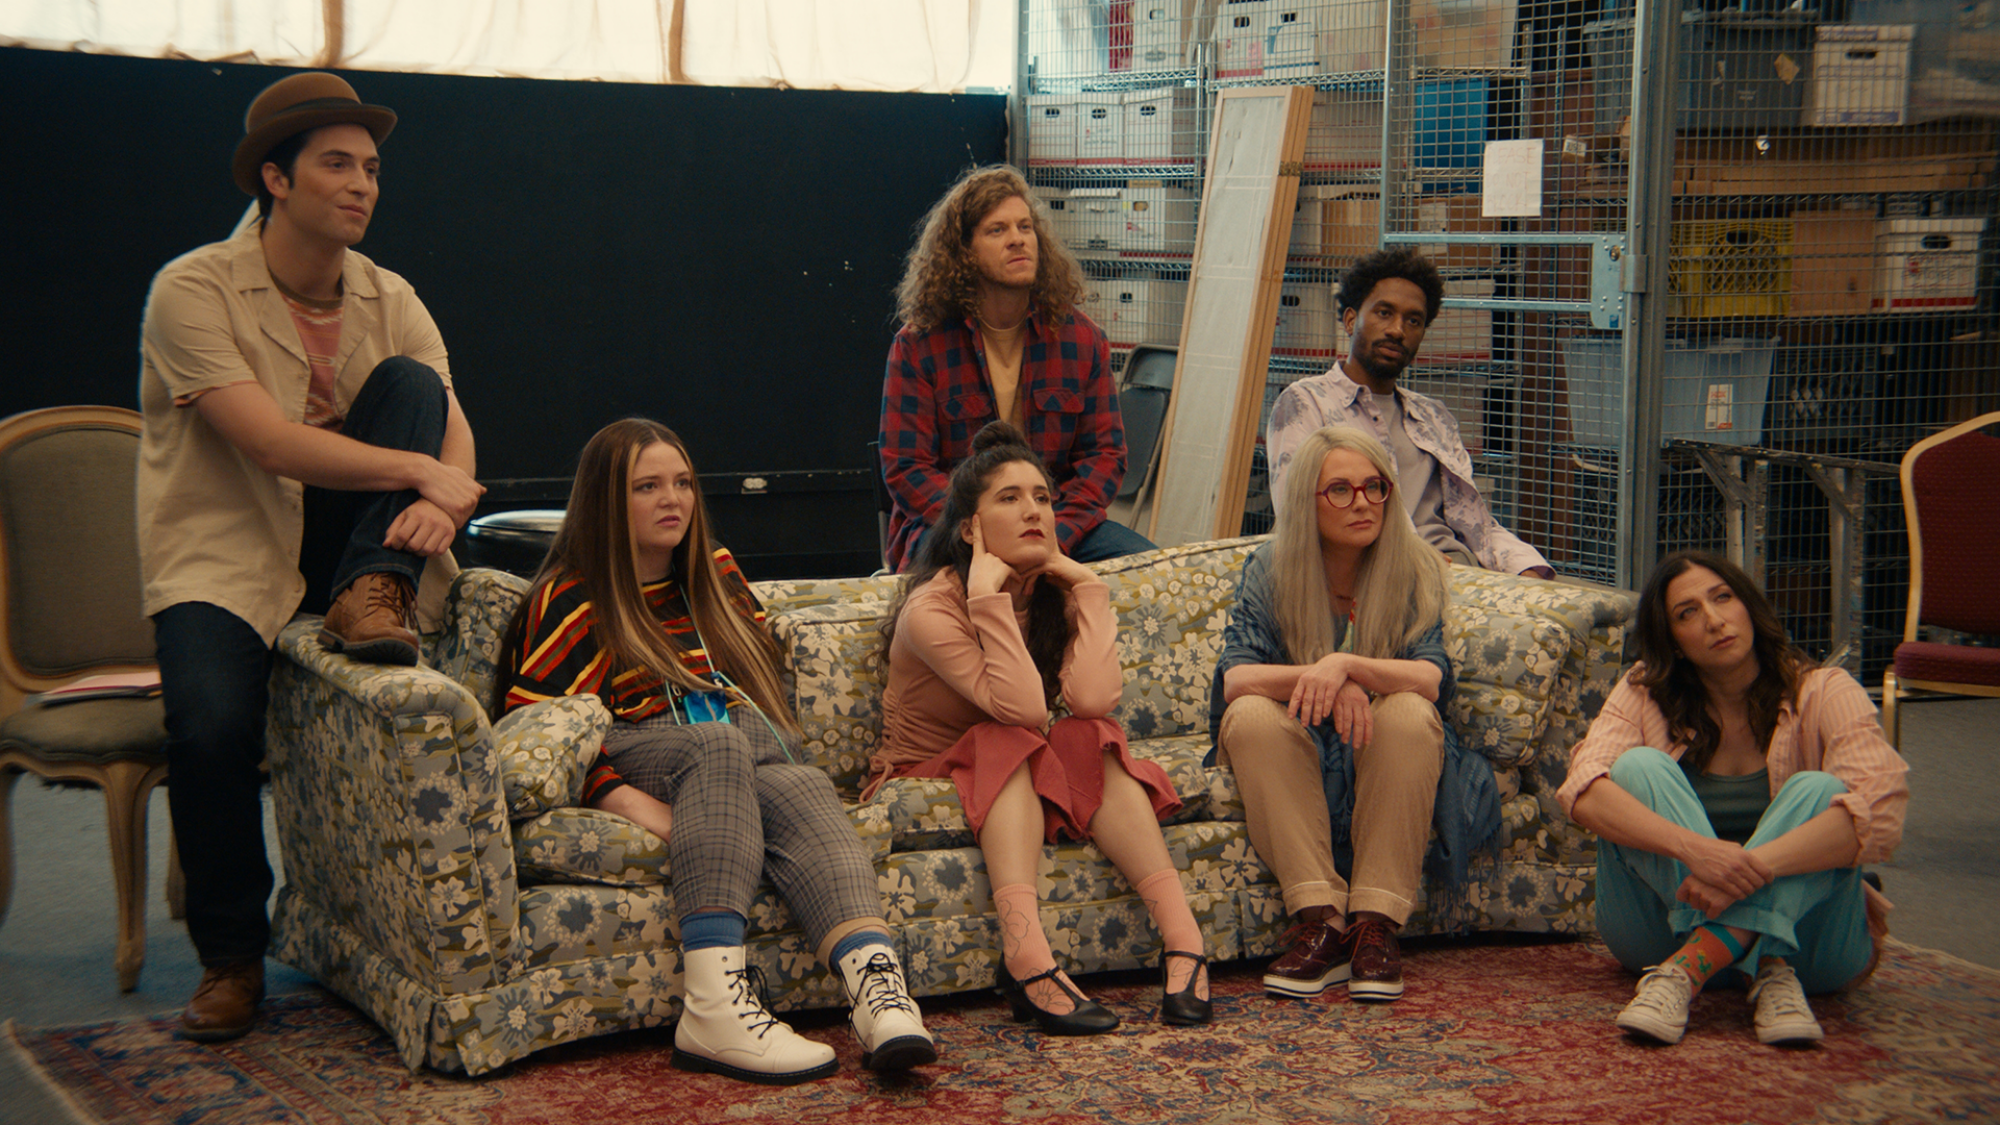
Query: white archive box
[[1291, 38], [1240, 29], [1927, 264], [1860, 76], [1068, 40], [1158, 218], [1345, 130], [1306, 324], [1134, 311], [1161, 32], [1100, 128], [1051, 128], [1159, 126], [1090, 218]]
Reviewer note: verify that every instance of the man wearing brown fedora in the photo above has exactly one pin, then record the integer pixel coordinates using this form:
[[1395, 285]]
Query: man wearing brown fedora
[[302, 450]]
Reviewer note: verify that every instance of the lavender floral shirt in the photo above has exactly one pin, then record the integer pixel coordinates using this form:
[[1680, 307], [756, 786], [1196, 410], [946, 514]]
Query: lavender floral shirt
[[1333, 399]]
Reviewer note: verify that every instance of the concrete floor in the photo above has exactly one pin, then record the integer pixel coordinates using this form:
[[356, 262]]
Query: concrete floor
[[57, 941]]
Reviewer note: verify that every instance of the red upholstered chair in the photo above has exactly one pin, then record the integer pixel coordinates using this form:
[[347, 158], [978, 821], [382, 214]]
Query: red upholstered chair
[[1951, 497]]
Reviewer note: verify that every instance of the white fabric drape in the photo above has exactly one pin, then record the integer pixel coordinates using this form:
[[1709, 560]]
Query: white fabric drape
[[918, 45]]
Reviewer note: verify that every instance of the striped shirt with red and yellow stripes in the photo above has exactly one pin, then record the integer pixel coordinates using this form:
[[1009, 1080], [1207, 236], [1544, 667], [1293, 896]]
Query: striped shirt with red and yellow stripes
[[559, 657]]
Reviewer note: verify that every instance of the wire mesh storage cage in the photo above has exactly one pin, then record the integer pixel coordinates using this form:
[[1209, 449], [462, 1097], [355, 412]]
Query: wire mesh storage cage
[[1829, 248]]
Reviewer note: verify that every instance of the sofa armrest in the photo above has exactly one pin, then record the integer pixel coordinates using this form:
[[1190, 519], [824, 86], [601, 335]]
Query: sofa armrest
[[391, 817]]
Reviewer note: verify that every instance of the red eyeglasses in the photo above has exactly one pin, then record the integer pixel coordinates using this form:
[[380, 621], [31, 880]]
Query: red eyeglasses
[[1341, 493]]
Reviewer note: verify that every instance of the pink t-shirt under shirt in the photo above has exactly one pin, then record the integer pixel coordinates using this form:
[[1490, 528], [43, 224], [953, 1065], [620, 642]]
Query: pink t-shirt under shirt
[[319, 332]]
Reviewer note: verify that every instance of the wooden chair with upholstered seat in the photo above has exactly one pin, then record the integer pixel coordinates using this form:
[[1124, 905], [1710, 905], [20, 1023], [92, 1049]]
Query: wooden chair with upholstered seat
[[1951, 500], [69, 607]]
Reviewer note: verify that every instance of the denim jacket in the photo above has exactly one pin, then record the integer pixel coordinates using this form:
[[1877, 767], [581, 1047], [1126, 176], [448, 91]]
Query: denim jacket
[[1466, 812]]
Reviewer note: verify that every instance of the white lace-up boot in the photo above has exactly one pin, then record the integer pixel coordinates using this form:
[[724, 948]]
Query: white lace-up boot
[[725, 1027], [886, 1021], [1783, 1016]]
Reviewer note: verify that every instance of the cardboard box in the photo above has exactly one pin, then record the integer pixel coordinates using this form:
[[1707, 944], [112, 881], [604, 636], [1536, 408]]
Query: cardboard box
[[1240, 28], [1457, 214], [1100, 128], [1861, 75], [1337, 223], [1306, 324], [1464, 33], [1351, 36], [1068, 40], [1161, 32], [1927, 264], [1156, 218], [1051, 128], [1088, 219], [1460, 335], [1134, 311], [1345, 130], [1833, 262], [1291, 38], [1159, 126]]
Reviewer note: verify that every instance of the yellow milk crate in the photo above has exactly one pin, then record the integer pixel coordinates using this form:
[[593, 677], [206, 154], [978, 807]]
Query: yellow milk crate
[[1730, 267]]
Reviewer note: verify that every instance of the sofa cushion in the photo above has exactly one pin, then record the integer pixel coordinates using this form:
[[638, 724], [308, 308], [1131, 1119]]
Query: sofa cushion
[[546, 748], [477, 610], [1172, 606], [1507, 666], [835, 669], [575, 845]]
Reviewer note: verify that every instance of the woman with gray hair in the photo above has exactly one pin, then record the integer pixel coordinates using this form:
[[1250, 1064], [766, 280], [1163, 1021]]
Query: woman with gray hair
[[1326, 704]]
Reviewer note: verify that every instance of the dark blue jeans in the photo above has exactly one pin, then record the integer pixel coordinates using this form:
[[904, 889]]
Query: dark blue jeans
[[215, 673]]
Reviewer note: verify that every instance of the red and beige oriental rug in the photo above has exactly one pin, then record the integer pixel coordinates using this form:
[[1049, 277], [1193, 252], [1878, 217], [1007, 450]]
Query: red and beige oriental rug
[[1490, 1032]]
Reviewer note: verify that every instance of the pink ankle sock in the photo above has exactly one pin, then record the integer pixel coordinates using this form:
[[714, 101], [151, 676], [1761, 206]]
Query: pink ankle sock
[[1164, 899]]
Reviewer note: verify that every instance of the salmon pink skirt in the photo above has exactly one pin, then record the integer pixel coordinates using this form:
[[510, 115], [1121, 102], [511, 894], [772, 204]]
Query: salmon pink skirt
[[1067, 768]]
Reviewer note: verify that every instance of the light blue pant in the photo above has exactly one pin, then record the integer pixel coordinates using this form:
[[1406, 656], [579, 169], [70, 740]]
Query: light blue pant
[[1817, 921]]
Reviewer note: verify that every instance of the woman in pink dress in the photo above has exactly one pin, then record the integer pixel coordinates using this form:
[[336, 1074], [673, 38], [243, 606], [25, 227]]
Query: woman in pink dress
[[995, 628]]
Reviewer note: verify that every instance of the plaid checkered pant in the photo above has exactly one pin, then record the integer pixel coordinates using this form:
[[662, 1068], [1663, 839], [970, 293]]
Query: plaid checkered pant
[[741, 812]]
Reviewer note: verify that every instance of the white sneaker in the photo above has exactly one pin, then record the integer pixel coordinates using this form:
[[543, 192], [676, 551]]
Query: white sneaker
[[886, 1021], [1783, 1016], [725, 1027], [1660, 1010]]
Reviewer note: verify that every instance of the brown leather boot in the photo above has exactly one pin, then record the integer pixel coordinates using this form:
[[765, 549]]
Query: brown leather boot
[[374, 619], [225, 1003]]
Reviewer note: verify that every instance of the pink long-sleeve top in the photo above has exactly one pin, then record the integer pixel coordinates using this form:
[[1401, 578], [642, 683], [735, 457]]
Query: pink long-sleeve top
[[1832, 728], [957, 662]]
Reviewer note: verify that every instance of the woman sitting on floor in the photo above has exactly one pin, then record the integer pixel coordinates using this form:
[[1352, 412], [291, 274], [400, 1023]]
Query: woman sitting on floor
[[636, 605], [1326, 705], [992, 628], [1735, 788]]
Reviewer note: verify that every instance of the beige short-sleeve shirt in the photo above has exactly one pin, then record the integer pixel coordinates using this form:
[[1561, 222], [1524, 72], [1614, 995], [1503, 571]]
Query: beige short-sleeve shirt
[[213, 527]]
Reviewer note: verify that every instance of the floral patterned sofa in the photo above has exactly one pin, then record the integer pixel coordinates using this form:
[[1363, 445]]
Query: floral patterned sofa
[[439, 875]]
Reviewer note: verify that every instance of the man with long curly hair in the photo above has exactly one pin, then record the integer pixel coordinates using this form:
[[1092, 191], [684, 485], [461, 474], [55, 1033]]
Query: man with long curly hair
[[991, 331], [1387, 302]]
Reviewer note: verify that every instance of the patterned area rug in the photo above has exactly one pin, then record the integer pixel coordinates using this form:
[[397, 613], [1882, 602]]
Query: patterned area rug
[[1489, 1032]]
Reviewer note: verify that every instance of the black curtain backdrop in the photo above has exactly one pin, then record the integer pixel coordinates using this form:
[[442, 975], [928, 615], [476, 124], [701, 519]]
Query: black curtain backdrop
[[723, 260]]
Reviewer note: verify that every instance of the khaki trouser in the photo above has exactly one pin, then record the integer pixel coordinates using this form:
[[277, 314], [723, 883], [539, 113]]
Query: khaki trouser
[[1277, 769]]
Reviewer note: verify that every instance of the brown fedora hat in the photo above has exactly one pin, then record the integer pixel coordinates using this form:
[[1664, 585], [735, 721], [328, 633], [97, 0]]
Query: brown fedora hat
[[291, 106]]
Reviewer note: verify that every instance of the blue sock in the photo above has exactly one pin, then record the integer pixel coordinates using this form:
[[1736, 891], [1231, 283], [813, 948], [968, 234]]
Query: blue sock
[[711, 929], [860, 939]]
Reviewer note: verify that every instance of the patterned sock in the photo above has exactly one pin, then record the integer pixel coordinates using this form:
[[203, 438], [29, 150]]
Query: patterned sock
[[1167, 903], [710, 929], [1709, 950], [1024, 948]]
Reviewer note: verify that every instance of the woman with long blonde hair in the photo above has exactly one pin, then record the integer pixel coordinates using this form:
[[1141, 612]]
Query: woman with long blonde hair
[[636, 605], [1327, 705]]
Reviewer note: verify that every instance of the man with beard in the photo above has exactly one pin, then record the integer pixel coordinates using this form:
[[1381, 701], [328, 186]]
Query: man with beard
[[1387, 302], [991, 332]]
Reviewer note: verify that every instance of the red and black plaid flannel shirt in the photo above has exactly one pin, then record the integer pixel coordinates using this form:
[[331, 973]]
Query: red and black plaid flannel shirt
[[936, 396]]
